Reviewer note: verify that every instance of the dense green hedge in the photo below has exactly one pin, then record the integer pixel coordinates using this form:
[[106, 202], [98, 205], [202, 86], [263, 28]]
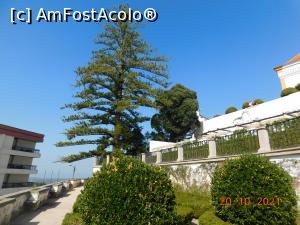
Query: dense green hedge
[[169, 155], [195, 150], [128, 191], [253, 190], [284, 134], [298, 87], [237, 143]]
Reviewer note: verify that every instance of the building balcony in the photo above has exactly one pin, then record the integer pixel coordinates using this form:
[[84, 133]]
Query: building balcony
[[22, 167], [27, 152], [24, 149], [18, 185]]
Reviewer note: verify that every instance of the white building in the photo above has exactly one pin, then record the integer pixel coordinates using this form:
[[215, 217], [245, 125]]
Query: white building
[[289, 73], [17, 150], [267, 111]]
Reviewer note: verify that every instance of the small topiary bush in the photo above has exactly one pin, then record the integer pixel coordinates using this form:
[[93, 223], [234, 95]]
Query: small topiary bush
[[298, 87], [230, 110], [128, 191], [288, 91], [269, 187], [246, 105], [257, 101]]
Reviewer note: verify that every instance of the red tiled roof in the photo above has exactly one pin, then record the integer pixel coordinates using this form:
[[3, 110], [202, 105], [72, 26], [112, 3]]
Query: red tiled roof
[[22, 134], [294, 59]]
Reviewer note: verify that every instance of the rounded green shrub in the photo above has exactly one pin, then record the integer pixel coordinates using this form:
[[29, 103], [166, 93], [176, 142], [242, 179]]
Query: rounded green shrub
[[230, 110], [288, 91], [257, 101], [246, 105], [298, 87], [128, 191], [253, 190]]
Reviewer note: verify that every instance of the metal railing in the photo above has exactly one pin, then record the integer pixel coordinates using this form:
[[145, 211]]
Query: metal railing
[[24, 149], [139, 156], [169, 154], [284, 134], [150, 157], [16, 185], [280, 135], [195, 150], [237, 143], [23, 167]]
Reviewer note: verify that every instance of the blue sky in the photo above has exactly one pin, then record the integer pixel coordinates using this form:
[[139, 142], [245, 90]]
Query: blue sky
[[224, 50]]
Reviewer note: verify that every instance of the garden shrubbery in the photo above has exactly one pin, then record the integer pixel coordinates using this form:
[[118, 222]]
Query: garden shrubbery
[[255, 177], [230, 110], [288, 91], [128, 191], [246, 105], [257, 101], [298, 87]]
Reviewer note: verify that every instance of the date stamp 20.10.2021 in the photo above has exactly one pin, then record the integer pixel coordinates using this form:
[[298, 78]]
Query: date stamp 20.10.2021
[[250, 201]]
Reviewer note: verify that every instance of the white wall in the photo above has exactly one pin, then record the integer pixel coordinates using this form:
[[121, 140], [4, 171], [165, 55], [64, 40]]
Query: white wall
[[292, 81], [267, 109], [156, 145], [290, 74]]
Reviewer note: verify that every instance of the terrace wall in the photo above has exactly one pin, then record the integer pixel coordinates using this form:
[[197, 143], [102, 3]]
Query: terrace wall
[[11, 205]]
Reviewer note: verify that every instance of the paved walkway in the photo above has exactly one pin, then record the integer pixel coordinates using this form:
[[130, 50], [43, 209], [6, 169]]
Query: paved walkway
[[51, 213]]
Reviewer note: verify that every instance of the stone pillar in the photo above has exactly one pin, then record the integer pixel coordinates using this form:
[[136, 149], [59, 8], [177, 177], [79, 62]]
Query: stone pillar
[[107, 159], [180, 154], [158, 157], [143, 157], [264, 141], [212, 149]]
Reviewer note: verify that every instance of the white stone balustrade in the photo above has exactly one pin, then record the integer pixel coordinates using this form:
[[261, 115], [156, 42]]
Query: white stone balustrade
[[11, 205]]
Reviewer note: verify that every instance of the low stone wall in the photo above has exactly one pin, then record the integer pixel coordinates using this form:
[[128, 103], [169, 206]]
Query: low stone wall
[[200, 174], [13, 204]]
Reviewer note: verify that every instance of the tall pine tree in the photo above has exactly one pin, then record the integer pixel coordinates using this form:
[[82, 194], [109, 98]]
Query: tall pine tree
[[122, 76]]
